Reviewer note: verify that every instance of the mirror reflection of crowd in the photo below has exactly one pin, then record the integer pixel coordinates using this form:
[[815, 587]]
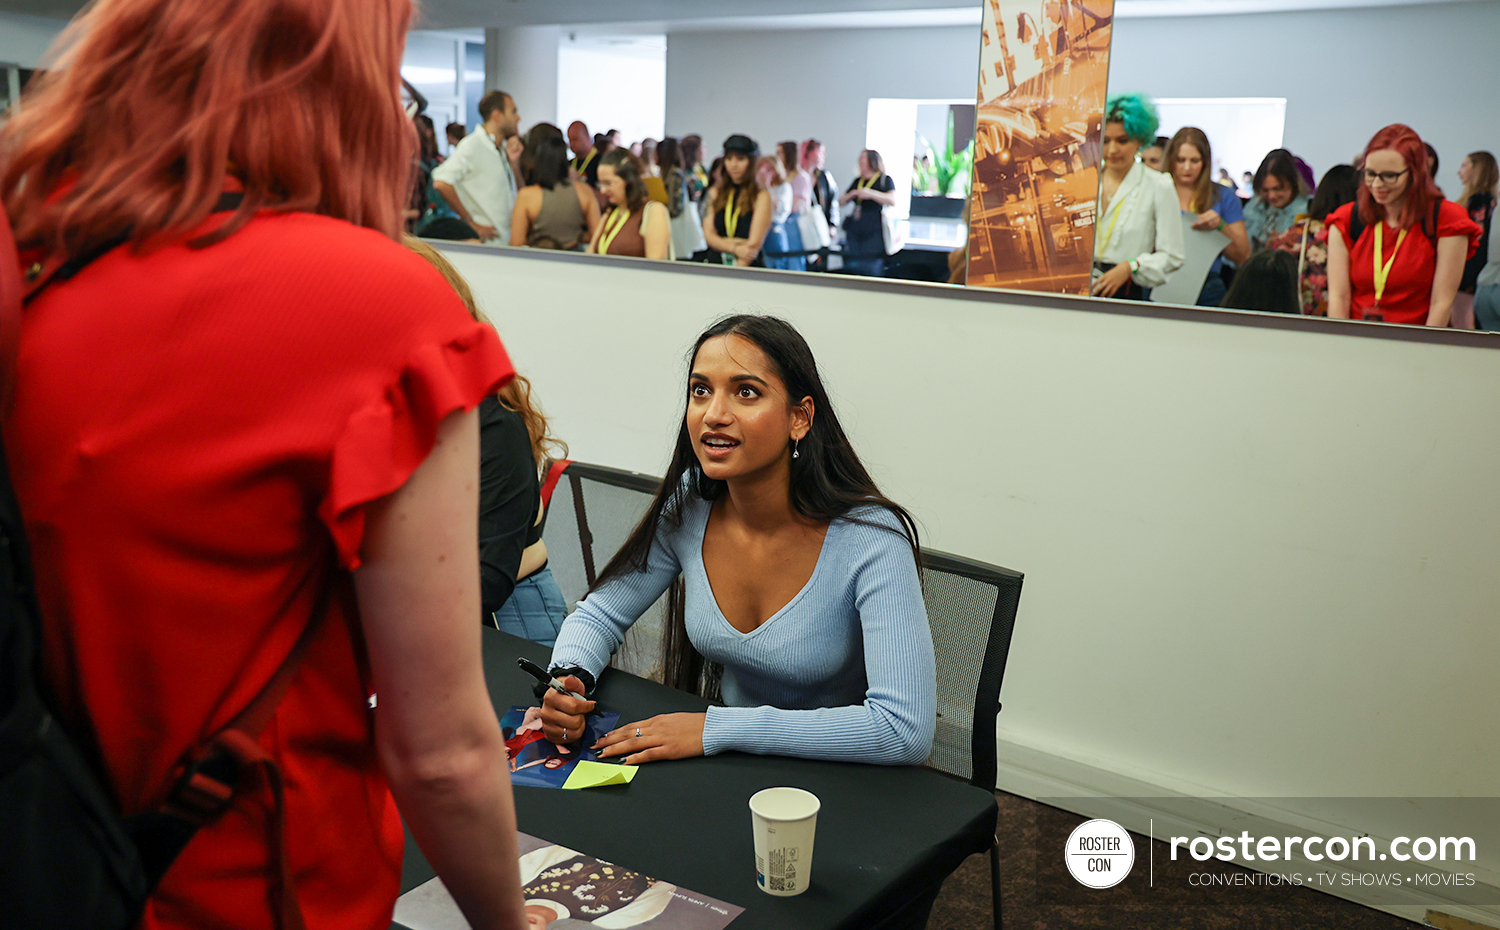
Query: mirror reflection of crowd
[[587, 192], [1375, 240]]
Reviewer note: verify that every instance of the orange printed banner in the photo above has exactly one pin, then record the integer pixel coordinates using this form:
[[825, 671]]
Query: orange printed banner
[[1043, 66]]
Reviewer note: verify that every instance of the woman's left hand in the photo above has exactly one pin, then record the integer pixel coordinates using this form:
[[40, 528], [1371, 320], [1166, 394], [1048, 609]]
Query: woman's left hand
[[1208, 220], [669, 736], [1112, 280]]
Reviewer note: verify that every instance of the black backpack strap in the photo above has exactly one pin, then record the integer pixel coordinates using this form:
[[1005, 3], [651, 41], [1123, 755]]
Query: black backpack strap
[[42, 275], [1356, 226]]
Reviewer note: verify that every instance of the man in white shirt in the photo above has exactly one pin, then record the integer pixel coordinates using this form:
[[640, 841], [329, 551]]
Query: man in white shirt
[[478, 180]]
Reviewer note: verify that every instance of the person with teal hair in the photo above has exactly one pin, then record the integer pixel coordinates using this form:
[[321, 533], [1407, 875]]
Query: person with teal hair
[[1137, 233], [1136, 113]]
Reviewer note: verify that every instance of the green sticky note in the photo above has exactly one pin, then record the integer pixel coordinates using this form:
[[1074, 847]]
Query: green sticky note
[[597, 774]]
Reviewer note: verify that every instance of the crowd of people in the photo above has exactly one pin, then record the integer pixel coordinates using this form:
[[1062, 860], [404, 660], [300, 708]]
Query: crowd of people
[[1374, 240], [586, 192], [783, 209]]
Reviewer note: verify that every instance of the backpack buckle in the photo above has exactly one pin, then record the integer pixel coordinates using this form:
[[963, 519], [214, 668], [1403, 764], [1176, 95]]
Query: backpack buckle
[[205, 788]]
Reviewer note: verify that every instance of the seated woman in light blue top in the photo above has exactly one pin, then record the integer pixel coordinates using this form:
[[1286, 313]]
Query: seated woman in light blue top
[[801, 579]]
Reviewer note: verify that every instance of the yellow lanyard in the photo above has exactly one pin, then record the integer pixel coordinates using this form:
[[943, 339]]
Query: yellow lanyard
[[1382, 272], [1119, 202], [612, 227], [586, 159], [732, 213], [868, 183]]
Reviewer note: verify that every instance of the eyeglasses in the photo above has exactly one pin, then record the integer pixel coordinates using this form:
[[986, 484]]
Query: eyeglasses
[[1384, 177]]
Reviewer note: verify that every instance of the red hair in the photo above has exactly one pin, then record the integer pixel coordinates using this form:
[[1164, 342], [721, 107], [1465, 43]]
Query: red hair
[[157, 102], [1421, 191]]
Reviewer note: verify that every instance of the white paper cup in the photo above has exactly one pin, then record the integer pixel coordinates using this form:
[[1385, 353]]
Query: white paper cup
[[784, 820]]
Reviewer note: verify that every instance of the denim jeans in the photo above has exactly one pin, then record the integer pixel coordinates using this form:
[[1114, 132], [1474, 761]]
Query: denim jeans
[[535, 609]]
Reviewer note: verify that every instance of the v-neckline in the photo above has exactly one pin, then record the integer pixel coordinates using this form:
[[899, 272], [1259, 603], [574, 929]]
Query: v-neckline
[[714, 596]]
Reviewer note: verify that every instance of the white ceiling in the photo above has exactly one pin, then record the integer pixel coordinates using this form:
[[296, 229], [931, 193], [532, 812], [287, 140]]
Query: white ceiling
[[667, 16]]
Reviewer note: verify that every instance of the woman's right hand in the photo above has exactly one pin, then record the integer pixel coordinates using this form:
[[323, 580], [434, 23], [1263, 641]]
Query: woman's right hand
[[562, 716]]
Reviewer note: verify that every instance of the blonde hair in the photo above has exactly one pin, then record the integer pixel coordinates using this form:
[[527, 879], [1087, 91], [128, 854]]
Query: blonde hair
[[771, 165], [516, 395], [1484, 179], [1205, 191]]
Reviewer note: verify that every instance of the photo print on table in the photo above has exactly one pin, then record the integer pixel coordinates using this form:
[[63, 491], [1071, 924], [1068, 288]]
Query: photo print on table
[[539, 762], [568, 890]]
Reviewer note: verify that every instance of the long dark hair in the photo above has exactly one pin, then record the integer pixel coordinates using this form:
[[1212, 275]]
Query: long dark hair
[[544, 160], [1340, 185], [628, 167], [668, 155], [828, 482], [1279, 163], [1268, 282]]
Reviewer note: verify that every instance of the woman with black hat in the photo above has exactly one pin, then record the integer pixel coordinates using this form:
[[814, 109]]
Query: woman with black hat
[[740, 216]]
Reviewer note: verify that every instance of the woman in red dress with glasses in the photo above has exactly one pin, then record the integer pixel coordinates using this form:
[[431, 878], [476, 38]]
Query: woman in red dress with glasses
[[1400, 257], [251, 425]]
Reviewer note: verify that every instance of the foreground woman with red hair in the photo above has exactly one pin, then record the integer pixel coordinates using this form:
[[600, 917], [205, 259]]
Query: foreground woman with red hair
[[250, 425], [1396, 254]]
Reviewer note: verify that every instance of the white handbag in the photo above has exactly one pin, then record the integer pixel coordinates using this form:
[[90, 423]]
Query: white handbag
[[814, 228], [890, 231]]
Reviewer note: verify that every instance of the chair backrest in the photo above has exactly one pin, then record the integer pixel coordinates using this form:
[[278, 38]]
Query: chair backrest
[[971, 607], [593, 510]]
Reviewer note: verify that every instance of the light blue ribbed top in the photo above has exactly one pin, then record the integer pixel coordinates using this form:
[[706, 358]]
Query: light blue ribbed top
[[843, 671]]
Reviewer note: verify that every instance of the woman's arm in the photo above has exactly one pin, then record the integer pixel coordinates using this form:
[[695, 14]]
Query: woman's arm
[[596, 627], [656, 229], [760, 224], [710, 234], [1339, 291], [1153, 268], [435, 731], [1238, 249], [884, 198], [523, 213], [1452, 251]]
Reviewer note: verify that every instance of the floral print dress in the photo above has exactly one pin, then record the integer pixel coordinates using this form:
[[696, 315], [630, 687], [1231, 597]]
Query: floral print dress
[[1313, 261]]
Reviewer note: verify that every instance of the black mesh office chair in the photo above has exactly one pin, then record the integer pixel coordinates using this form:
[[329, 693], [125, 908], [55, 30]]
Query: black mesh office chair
[[971, 607], [591, 514]]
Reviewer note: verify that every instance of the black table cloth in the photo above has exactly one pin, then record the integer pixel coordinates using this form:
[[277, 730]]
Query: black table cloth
[[887, 836]]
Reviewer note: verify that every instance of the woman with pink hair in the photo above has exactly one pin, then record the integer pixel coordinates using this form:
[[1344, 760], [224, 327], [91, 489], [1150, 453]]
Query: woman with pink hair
[[245, 434], [1396, 254]]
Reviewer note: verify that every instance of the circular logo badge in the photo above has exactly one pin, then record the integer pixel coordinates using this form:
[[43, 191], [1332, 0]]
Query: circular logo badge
[[1100, 854]]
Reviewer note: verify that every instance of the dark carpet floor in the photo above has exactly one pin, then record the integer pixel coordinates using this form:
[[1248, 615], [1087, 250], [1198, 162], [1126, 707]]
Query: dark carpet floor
[[1038, 893]]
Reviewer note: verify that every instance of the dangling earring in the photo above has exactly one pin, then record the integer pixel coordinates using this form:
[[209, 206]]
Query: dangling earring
[[794, 448]]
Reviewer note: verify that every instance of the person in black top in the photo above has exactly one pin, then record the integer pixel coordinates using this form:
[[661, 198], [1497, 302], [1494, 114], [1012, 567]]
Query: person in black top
[[586, 153], [517, 591], [870, 193], [740, 212], [825, 188], [1481, 180]]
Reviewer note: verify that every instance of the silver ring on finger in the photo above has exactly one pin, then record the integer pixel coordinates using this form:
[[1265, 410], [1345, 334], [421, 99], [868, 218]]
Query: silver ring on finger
[[637, 732]]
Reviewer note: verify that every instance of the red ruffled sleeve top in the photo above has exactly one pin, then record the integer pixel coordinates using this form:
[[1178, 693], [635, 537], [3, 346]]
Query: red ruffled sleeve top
[[1408, 290], [195, 436]]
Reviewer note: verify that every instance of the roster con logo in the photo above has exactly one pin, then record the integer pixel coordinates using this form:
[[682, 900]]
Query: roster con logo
[[1100, 853]]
